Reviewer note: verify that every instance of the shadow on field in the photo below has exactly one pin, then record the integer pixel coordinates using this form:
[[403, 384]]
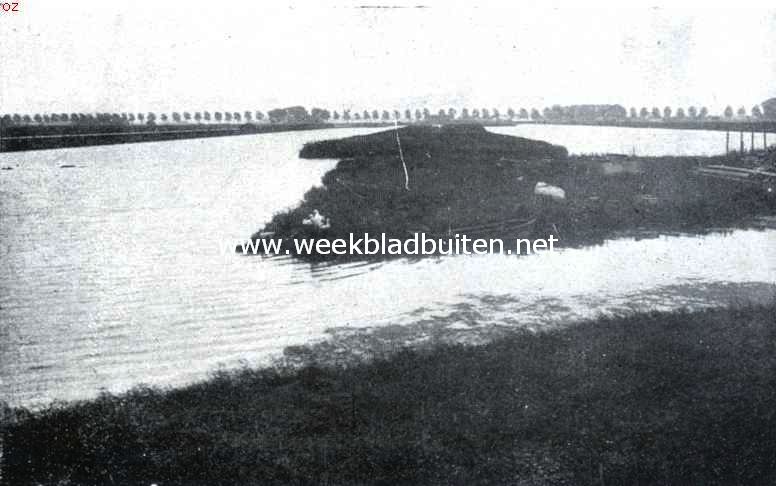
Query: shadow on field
[[653, 398]]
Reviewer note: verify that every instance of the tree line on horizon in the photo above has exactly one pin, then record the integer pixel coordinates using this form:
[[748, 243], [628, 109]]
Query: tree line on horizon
[[300, 114]]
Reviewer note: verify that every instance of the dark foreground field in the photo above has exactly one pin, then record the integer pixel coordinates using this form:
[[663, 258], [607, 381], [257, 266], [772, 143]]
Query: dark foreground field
[[679, 398]]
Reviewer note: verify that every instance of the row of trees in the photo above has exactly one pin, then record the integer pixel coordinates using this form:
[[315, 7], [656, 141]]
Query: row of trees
[[132, 118], [299, 114]]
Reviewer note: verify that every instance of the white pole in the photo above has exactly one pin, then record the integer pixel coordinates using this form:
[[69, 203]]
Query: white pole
[[401, 156]]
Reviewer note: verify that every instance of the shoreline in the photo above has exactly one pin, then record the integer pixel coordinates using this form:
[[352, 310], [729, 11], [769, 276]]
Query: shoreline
[[19, 138], [619, 394], [23, 138], [450, 168]]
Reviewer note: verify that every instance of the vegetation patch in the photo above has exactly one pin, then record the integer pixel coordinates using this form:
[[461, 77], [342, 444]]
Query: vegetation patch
[[655, 398]]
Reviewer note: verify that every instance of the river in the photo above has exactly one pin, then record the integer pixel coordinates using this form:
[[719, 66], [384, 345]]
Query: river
[[110, 276]]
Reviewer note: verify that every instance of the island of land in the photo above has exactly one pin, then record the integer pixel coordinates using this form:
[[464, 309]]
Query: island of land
[[452, 178]]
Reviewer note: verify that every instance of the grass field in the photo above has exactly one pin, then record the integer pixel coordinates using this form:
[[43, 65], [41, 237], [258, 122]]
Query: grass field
[[660, 398], [461, 176]]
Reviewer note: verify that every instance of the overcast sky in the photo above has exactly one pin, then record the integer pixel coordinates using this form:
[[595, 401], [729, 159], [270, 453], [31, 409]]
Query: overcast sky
[[58, 56]]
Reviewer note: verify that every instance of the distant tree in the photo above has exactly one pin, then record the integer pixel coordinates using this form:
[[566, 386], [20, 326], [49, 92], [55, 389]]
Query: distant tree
[[692, 112], [37, 118], [164, 117], [248, 116], [408, 114], [511, 113], [769, 108], [259, 115], [475, 113], [50, 118], [187, 116], [426, 114], [277, 115], [236, 116], [336, 115], [65, 117], [451, 112], [218, 116], [644, 112], [320, 115], [131, 118], [356, 116], [441, 113], [206, 116], [227, 116], [547, 113], [485, 114], [16, 118], [198, 117], [346, 115], [496, 114], [465, 114], [523, 114], [375, 115], [366, 115], [418, 114], [634, 113], [741, 112], [396, 115], [386, 116], [667, 112], [27, 119], [74, 117], [757, 112], [729, 112], [656, 112], [140, 117], [680, 113], [703, 113], [176, 117], [535, 114]]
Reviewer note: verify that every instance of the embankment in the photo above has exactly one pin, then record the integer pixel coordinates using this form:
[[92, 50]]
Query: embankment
[[22, 138], [462, 176], [456, 176]]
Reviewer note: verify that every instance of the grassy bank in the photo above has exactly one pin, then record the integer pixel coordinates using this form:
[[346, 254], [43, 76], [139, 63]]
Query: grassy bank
[[457, 176], [460, 176], [41, 137], [665, 194], [679, 398]]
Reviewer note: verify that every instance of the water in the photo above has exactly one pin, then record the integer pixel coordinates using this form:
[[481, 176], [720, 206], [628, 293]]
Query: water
[[639, 141], [109, 275]]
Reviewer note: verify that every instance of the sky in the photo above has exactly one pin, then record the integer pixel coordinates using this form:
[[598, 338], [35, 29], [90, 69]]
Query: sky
[[91, 56]]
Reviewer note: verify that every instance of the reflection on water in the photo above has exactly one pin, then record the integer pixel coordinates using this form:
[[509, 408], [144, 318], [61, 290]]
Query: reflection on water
[[110, 276]]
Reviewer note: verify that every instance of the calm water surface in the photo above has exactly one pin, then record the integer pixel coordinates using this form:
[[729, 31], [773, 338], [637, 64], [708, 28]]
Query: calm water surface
[[638, 141], [110, 273]]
